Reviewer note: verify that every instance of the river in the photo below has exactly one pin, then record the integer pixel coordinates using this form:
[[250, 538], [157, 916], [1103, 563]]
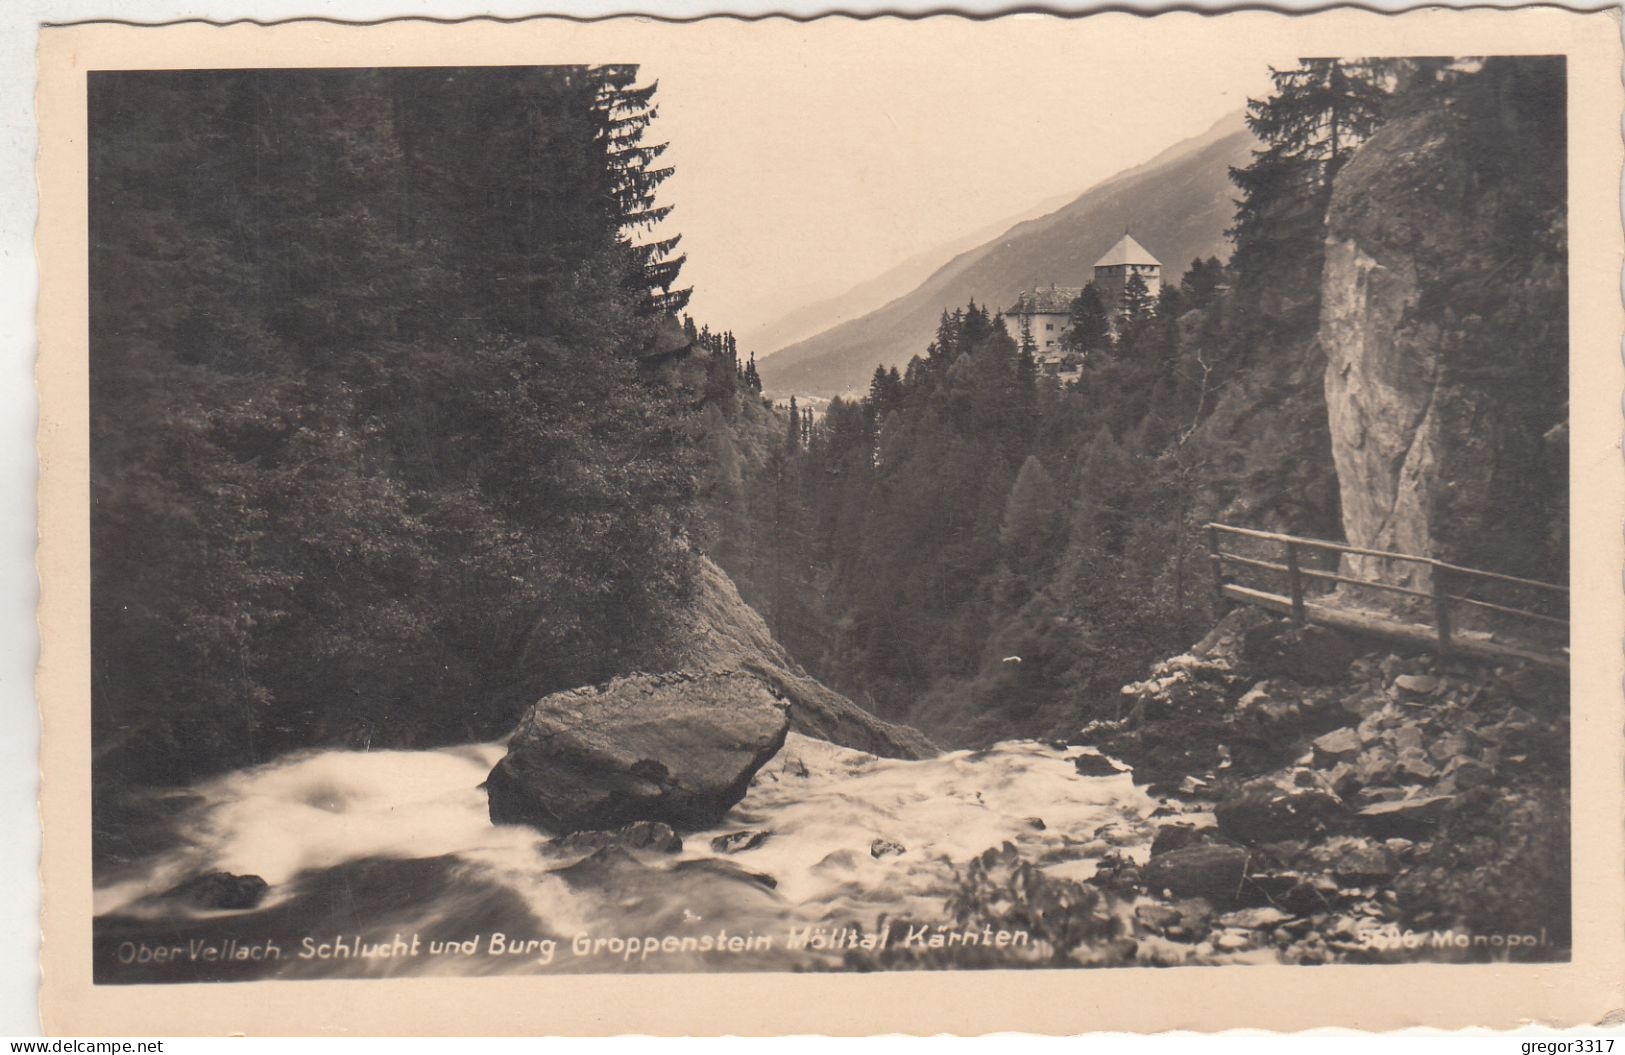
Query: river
[[384, 863]]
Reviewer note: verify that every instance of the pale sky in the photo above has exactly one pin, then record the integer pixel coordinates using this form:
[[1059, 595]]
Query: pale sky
[[813, 164]]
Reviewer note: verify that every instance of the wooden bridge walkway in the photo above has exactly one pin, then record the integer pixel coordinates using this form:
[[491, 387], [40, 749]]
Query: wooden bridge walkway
[[1431, 618]]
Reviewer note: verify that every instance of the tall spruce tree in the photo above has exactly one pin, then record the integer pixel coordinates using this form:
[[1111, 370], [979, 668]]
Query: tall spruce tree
[[1088, 328], [1317, 116], [1028, 525], [1201, 282], [1320, 112], [625, 111], [1138, 304], [1028, 345]]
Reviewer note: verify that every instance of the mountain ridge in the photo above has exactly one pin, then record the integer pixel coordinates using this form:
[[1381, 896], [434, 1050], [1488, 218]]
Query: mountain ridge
[[876, 292], [1178, 203]]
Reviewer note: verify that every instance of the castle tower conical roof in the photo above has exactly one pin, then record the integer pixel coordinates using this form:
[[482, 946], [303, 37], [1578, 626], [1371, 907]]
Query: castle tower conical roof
[[1128, 251]]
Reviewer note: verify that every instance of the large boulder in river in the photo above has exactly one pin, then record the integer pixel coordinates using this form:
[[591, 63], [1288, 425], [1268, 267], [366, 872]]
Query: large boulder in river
[[676, 748]]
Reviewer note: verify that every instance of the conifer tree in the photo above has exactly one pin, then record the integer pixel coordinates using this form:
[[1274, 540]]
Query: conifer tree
[[1137, 306], [1201, 282], [1099, 518], [974, 327], [1310, 126], [624, 112], [946, 346], [1319, 113], [1088, 329], [878, 394], [1026, 377], [1028, 524]]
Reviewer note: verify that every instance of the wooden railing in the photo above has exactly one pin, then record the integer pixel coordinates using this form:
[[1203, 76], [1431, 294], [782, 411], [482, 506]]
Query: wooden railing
[[1436, 608]]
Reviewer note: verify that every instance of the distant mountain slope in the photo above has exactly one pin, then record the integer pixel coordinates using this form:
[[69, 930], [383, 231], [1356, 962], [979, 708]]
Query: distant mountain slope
[[808, 320], [1178, 205]]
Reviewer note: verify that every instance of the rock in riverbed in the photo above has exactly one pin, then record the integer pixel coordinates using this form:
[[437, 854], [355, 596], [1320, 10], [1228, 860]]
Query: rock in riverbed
[[1267, 814], [642, 835], [738, 842], [221, 890], [1095, 765], [1207, 871], [675, 748]]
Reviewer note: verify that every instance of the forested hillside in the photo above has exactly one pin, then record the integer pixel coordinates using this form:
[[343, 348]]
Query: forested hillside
[[973, 549], [372, 461]]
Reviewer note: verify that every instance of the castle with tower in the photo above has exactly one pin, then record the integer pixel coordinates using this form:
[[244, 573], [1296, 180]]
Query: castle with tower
[[1044, 314], [1120, 264]]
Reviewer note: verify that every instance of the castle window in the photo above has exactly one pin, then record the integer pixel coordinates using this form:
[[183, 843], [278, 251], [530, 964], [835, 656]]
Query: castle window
[[1049, 326]]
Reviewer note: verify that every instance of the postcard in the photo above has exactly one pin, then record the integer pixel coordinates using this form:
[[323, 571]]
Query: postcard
[[841, 526]]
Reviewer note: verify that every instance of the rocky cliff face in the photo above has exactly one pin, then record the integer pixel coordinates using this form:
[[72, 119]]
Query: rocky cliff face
[[720, 632], [1443, 322]]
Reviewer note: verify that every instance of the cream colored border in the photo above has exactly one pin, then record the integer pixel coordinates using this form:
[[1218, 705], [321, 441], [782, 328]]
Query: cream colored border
[[1144, 999]]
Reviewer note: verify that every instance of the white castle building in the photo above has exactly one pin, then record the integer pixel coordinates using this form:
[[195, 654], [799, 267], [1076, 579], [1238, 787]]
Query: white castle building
[[1045, 313]]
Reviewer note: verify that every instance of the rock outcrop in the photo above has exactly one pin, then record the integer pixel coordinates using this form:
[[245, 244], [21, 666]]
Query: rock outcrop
[[1443, 321], [720, 632], [678, 748]]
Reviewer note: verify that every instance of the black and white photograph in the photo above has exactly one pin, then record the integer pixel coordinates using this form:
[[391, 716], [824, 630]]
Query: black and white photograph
[[680, 513]]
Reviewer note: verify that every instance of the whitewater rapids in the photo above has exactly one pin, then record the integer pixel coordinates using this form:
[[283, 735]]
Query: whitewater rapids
[[375, 850]]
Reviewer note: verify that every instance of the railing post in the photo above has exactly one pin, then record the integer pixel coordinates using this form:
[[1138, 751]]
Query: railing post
[[1221, 603], [1441, 607], [1294, 583]]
